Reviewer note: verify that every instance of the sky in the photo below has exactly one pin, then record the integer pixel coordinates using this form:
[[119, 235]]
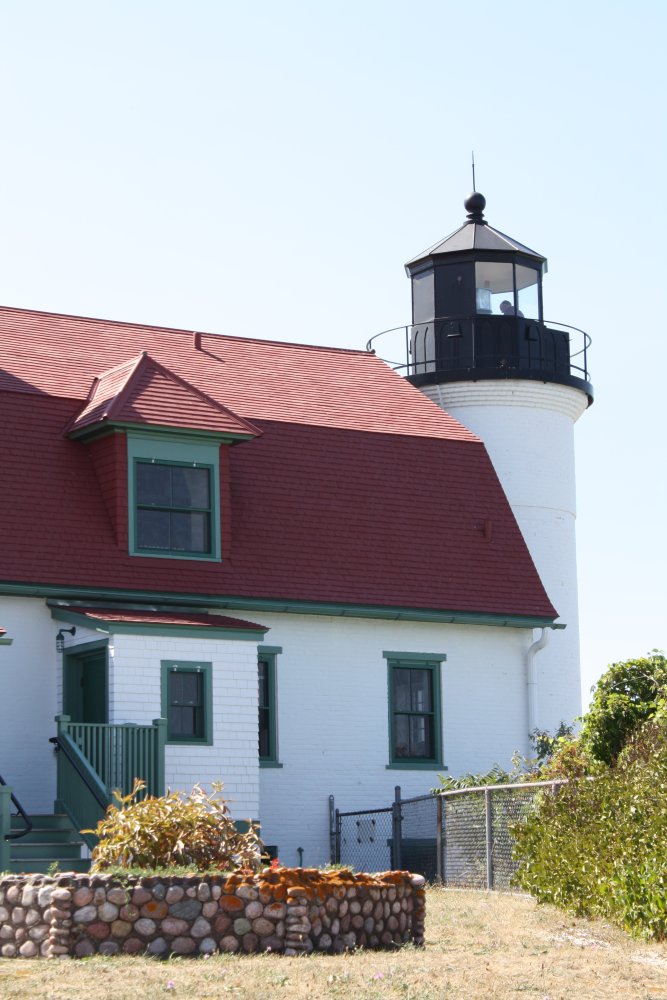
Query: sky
[[266, 169]]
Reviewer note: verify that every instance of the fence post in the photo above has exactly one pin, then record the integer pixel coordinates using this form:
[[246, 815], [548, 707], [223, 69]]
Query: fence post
[[396, 827], [438, 839], [63, 723], [332, 830], [337, 838], [160, 744], [488, 814], [5, 825]]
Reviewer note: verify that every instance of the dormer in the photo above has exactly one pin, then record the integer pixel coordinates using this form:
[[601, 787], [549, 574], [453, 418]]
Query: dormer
[[160, 448]]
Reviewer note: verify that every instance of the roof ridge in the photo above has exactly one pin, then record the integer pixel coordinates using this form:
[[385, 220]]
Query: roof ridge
[[118, 400]]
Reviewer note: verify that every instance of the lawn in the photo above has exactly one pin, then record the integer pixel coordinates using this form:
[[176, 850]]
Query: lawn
[[478, 945]]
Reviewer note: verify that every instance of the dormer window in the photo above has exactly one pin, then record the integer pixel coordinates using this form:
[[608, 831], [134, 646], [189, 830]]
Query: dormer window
[[173, 508], [174, 494], [174, 436]]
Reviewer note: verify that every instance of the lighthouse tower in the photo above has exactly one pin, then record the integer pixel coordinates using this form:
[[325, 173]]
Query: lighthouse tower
[[480, 347]]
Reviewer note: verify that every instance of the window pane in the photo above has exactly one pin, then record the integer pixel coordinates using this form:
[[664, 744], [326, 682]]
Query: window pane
[[421, 744], [423, 303], [153, 529], [190, 487], [421, 690], [264, 732], [526, 283], [180, 722], [494, 283], [402, 690], [153, 484], [186, 688], [189, 532], [263, 668], [401, 735]]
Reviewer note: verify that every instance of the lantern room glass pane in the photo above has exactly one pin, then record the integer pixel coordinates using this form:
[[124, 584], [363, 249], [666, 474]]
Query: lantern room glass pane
[[527, 284], [494, 285], [423, 297]]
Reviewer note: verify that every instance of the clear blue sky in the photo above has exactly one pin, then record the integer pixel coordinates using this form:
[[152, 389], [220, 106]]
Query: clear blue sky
[[265, 169]]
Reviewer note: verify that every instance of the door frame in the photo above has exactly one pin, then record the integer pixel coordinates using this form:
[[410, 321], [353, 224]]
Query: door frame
[[80, 652]]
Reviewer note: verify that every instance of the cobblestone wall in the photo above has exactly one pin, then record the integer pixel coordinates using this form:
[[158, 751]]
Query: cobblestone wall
[[292, 911]]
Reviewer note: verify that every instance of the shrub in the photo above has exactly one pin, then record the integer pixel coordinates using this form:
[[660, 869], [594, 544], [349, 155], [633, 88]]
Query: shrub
[[192, 831], [599, 847], [627, 695]]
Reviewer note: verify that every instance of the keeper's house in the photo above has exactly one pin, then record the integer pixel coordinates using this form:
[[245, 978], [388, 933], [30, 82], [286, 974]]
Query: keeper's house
[[274, 565]]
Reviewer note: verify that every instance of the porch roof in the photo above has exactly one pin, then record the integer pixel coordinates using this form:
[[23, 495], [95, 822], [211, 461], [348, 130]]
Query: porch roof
[[156, 621]]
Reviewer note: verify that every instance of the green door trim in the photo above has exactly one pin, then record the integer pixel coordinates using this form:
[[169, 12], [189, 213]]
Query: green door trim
[[76, 656]]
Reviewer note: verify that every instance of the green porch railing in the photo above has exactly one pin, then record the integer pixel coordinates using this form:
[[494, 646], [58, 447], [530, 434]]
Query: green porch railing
[[5, 825], [96, 758]]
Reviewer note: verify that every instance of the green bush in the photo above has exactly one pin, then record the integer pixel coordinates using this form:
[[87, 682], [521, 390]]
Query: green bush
[[627, 695], [193, 831], [599, 846]]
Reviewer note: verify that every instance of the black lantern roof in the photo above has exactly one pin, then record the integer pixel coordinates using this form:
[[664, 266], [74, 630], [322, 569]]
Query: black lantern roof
[[475, 235]]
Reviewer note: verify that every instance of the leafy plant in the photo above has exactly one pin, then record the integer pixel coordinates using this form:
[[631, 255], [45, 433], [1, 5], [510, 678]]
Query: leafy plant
[[627, 695], [496, 776], [546, 744], [599, 847], [194, 831]]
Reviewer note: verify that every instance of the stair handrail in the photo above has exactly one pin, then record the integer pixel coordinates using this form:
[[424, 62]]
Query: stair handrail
[[22, 813], [64, 744]]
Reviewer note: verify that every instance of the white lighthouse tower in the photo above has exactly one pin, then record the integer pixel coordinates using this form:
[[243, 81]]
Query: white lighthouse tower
[[481, 349]]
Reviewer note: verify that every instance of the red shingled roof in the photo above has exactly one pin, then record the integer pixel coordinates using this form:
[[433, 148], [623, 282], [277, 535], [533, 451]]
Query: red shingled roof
[[256, 379], [358, 491], [141, 391]]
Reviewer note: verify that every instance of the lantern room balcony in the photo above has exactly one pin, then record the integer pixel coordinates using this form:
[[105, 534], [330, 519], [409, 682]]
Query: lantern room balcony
[[480, 347]]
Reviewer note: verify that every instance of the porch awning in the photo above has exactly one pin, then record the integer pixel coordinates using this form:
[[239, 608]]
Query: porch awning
[[157, 622]]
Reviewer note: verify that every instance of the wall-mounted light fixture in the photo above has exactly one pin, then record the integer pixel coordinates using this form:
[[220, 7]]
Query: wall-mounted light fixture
[[60, 638]]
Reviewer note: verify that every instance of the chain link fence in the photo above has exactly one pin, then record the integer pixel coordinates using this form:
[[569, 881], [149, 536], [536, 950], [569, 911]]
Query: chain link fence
[[460, 838]]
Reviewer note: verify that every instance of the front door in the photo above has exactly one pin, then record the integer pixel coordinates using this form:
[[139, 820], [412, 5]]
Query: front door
[[85, 686]]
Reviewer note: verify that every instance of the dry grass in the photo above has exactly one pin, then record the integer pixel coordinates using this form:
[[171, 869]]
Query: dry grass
[[477, 946]]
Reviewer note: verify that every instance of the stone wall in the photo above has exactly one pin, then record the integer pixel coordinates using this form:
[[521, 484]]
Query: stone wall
[[292, 911]]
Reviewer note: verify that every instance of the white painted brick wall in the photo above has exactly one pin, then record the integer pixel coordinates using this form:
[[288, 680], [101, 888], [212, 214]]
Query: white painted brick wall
[[135, 696], [528, 430], [28, 705], [333, 731], [333, 716]]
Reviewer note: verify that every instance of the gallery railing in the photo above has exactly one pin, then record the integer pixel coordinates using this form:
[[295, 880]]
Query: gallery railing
[[455, 348]]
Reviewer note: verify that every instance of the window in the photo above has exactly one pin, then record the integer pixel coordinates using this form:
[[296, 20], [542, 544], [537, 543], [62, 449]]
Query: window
[[414, 710], [186, 701], [266, 673], [174, 496], [173, 508]]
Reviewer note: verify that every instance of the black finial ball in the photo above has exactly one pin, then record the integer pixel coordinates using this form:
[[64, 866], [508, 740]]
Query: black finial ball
[[475, 203]]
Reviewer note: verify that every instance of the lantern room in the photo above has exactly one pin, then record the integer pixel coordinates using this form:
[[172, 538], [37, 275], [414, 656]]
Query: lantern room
[[477, 311]]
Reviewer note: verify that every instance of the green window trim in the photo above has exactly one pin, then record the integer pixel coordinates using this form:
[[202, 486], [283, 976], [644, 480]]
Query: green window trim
[[200, 708], [267, 707], [174, 451], [420, 719]]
